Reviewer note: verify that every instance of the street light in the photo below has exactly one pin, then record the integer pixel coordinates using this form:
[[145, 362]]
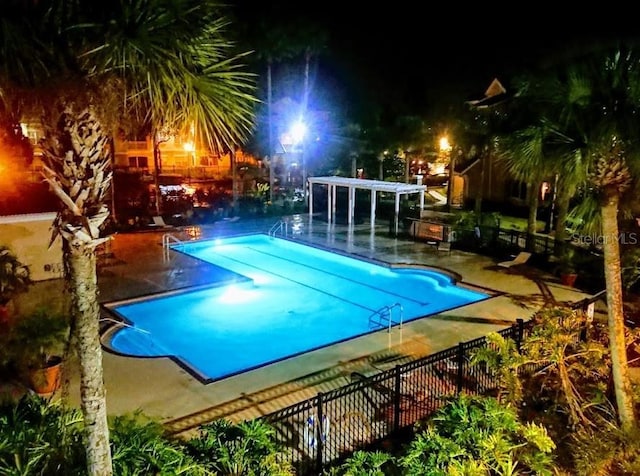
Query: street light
[[445, 149], [297, 132]]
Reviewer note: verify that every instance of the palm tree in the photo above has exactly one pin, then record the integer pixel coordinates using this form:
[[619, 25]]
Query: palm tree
[[71, 64], [592, 115], [524, 156]]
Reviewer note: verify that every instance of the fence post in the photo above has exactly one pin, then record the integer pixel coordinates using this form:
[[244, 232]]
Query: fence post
[[319, 428], [460, 359], [520, 324], [397, 403]]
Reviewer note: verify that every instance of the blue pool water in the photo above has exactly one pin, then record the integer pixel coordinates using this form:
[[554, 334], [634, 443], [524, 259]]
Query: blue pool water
[[289, 298]]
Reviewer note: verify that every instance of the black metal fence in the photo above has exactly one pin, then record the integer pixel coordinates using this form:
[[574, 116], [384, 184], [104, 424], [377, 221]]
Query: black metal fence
[[321, 431]]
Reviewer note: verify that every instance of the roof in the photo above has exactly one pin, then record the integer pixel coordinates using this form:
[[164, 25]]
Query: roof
[[495, 94], [366, 184]]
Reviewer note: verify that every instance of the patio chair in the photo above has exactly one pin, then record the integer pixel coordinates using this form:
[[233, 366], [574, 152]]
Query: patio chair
[[158, 222], [521, 258]]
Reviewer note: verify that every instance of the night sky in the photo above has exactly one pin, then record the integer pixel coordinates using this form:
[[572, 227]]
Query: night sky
[[416, 51]]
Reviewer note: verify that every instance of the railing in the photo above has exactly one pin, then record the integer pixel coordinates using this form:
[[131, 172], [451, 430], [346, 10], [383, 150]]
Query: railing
[[281, 227], [168, 238], [324, 429], [123, 324], [378, 317]]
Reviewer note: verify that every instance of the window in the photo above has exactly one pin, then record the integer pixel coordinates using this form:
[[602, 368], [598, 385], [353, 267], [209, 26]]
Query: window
[[138, 162], [518, 190]]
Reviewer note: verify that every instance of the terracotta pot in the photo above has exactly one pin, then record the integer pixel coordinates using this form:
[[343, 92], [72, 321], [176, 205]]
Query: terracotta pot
[[568, 279], [46, 380]]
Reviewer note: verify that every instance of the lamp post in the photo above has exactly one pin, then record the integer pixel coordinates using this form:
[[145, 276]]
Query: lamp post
[[445, 149], [297, 132]]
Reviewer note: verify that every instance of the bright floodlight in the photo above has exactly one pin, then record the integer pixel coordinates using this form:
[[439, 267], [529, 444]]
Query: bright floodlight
[[298, 130], [444, 144]]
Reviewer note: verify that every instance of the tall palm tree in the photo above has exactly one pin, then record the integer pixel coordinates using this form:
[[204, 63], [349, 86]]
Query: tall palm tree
[[594, 115], [71, 63]]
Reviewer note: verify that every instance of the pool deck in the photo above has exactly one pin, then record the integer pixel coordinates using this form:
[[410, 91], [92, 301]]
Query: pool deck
[[137, 264]]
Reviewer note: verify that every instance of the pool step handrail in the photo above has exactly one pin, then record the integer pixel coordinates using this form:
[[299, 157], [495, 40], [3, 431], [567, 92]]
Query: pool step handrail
[[123, 324], [383, 317], [281, 226], [168, 238]]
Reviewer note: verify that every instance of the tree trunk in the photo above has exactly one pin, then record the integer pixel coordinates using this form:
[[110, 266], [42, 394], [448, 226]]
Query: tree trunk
[[532, 219], [562, 211], [480, 192], [157, 169], [85, 313], [617, 343], [270, 124], [234, 180]]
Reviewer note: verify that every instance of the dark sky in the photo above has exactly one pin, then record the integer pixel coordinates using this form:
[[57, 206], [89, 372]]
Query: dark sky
[[422, 49]]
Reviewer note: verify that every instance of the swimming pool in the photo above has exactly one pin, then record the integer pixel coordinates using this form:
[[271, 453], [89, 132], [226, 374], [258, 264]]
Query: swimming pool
[[276, 298]]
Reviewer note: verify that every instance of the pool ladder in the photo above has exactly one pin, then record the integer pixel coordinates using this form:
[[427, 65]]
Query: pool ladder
[[167, 239], [281, 227], [383, 317]]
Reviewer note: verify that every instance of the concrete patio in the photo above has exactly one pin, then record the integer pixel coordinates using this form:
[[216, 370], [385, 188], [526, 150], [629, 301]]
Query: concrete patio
[[136, 264]]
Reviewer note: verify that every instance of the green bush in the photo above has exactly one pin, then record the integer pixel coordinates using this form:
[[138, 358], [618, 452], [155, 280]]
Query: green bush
[[40, 437], [246, 448], [479, 436]]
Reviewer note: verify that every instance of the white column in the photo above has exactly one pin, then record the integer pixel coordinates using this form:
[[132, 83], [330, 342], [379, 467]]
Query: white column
[[333, 201], [396, 217], [329, 203], [350, 206], [373, 208], [310, 199], [422, 199]]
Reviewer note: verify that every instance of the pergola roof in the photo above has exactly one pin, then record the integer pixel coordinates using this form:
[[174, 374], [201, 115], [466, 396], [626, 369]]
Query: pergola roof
[[377, 185]]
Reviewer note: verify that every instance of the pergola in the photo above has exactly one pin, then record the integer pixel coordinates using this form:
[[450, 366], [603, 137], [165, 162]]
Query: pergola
[[374, 186]]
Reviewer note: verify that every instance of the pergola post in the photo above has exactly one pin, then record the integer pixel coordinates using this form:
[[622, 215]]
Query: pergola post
[[329, 204], [373, 208], [351, 206], [422, 200], [396, 217], [310, 199]]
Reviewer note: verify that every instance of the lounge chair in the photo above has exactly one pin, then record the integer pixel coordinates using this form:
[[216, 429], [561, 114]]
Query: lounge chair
[[158, 222], [522, 258]]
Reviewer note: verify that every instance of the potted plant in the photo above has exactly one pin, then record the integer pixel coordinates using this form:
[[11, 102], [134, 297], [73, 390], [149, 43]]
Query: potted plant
[[14, 278], [36, 343], [568, 274]]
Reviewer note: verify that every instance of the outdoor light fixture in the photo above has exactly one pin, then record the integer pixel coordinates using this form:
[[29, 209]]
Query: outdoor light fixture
[[298, 131]]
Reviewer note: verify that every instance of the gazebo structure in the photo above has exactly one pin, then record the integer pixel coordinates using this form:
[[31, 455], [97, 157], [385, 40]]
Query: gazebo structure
[[374, 186]]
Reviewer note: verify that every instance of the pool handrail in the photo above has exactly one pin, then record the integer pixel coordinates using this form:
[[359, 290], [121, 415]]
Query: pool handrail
[[386, 311], [279, 227], [167, 238], [123, 324]]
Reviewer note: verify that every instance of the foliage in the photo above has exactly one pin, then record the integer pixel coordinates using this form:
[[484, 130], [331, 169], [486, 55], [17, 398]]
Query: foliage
[[365, 463], [14, 275], [28, 342], [139, 447], [479, 436], [502, 357], [40, 437], [606, 450], [630, 268], [246, 448], [574, 371]]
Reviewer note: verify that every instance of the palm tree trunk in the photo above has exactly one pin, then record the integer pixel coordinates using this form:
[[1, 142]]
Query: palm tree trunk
[[157, 169], [562, 208], [85, 313], [532, 219], [617, 343], [270, 121], [480, 192]]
